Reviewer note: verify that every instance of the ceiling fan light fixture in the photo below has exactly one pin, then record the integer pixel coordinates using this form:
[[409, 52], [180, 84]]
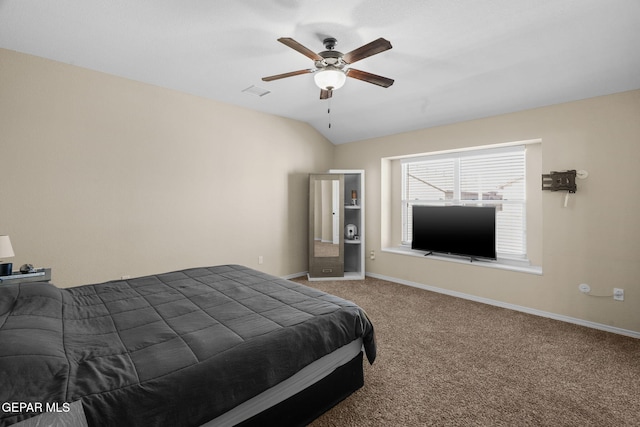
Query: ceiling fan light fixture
[[331, 68], [330, 78]]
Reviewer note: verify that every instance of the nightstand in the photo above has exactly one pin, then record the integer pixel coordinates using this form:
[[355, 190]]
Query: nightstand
[[40, 275]]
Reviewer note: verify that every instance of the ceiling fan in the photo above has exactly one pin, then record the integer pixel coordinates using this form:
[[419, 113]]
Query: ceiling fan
[[332, 67]]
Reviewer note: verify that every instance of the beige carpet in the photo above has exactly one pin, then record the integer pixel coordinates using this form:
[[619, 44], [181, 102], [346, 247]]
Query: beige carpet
[[444, 361]]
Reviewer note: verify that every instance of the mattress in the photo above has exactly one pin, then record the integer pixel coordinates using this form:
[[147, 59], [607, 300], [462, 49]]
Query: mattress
[[179, 348]]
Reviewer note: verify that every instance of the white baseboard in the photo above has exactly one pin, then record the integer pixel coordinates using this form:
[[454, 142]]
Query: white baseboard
[[294, 275], [581, 322]]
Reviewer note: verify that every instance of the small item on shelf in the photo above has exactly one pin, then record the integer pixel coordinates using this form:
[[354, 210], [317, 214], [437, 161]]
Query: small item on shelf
[[27, 268], [351, 231], [6, 269], [354, 197], [6, 251]]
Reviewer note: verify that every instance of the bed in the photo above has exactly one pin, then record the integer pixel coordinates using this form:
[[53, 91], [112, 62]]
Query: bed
[[213, 346]]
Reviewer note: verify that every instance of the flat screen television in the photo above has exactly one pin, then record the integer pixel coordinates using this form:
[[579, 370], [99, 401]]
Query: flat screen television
[[458, 230]]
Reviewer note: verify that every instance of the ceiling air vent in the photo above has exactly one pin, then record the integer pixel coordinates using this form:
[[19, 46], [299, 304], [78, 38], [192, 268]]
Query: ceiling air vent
[[255, 90]]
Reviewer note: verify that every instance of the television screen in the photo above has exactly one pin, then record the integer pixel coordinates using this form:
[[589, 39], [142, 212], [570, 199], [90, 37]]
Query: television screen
[[458, 230]]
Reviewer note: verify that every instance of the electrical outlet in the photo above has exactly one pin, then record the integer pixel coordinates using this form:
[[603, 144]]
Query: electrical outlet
[[372, 254], [260, 259], [618, 294]]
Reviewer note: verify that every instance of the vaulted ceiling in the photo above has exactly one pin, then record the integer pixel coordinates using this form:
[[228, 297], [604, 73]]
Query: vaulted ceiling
[[452, 60]]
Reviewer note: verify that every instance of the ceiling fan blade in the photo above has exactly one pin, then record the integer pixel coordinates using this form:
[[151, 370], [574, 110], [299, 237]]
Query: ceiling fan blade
[[283, 75], [303, 50], [369, 49], [325, 94], [369, 78]]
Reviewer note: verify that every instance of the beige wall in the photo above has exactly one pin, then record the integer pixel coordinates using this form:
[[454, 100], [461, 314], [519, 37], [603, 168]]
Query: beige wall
[[594, 240], [103, 177]]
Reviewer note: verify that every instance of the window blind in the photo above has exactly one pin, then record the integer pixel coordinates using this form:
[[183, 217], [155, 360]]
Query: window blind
[[480, 177]]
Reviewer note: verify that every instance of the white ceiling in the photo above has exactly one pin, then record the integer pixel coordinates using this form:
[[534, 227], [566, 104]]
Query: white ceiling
[[452, 60]]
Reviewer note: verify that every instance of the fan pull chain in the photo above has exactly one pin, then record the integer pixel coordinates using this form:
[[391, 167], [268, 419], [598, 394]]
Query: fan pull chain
[[329, 112]]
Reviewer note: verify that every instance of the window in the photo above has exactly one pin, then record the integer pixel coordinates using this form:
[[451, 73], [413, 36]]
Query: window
[[483, 177]]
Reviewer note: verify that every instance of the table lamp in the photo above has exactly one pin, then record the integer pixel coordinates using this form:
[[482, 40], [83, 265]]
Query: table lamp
[[6, 251]]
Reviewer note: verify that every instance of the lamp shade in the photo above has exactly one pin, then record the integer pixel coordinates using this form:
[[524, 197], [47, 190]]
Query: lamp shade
[[330, 78], [6, 251]]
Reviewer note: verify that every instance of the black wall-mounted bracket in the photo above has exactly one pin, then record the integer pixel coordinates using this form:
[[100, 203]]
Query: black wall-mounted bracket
[[560, 181]]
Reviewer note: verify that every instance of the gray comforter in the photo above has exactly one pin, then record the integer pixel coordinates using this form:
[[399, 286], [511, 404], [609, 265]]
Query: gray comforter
[[175, 349]]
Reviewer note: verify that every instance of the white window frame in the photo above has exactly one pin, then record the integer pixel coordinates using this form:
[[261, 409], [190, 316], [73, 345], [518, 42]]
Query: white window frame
[[519, 240]]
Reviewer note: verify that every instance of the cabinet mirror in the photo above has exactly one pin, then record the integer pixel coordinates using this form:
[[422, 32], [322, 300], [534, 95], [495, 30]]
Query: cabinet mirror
[[326, 219]]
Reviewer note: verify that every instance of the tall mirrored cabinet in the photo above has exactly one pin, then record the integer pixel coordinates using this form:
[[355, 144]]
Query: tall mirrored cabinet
[[336, 225]]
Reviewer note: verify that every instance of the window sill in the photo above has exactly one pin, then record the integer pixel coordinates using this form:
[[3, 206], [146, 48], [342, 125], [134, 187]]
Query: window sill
[[500, 263]]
